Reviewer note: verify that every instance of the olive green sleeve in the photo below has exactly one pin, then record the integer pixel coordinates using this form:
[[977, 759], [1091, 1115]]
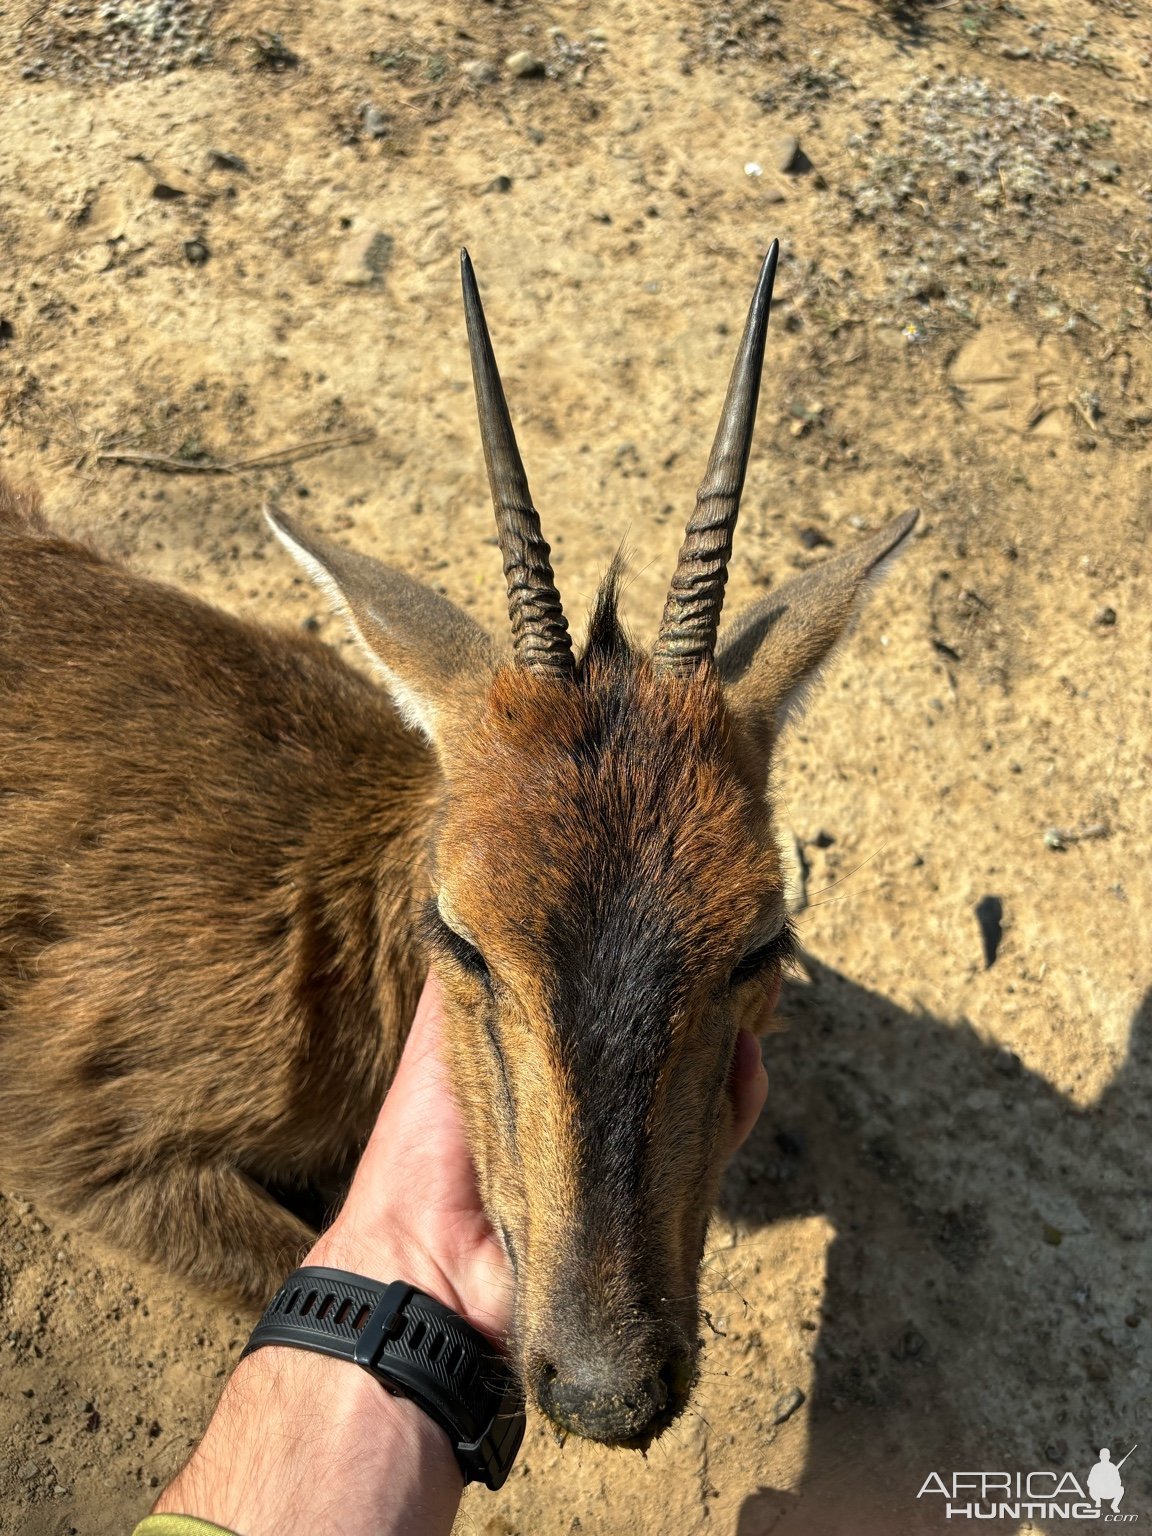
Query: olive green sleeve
[[179, 1525]]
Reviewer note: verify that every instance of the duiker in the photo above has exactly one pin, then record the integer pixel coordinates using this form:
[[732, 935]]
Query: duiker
[[226, 859]]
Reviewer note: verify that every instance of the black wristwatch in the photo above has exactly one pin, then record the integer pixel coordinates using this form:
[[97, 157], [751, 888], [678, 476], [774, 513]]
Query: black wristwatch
[[416, 1348]]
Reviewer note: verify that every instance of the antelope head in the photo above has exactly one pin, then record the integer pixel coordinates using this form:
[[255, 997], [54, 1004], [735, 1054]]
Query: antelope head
[[606, 902]]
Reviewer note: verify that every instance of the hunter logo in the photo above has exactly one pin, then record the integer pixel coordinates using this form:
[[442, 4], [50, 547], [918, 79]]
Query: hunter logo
[[1044, 1495]]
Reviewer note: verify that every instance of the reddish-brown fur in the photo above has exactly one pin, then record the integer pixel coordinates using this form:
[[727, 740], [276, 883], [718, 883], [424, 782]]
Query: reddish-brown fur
[[223, 856], [672, 802], [208, 839]]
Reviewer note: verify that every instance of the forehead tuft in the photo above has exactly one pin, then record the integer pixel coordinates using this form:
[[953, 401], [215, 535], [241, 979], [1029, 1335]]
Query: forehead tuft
[[616, 801], [618, 715]]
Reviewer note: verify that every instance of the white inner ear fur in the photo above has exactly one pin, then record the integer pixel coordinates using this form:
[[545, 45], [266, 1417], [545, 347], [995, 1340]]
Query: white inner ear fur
[[414, 710]]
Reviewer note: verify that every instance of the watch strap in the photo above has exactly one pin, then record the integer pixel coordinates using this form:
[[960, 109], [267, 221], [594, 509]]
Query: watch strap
[[416, 1348]]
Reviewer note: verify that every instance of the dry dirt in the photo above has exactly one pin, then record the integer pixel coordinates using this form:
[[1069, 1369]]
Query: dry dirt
[[227, 229]]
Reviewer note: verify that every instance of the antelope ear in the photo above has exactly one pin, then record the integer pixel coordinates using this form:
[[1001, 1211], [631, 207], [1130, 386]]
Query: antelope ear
[[435, 661], [772, 652]]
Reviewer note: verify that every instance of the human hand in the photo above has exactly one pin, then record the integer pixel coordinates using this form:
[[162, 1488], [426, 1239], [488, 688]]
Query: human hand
[[748, 1076], [413, 1212], [302, 1446], [414, 1203], [289, 1421]]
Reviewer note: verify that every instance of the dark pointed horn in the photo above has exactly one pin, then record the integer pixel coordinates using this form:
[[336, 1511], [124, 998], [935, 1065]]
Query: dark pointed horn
[[540, 638], [692, 613]]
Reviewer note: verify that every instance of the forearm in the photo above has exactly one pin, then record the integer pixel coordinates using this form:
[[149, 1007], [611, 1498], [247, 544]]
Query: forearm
[[302, 1445], [305, 1445]]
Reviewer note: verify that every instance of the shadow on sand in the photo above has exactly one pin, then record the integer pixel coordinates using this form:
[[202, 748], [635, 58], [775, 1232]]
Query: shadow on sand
[[988, 1288]]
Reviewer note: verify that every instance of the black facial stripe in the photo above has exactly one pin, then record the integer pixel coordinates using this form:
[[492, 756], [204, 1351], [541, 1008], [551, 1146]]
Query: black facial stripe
[[618, 972], [509, 1246], [439, 936], [509, 1102]]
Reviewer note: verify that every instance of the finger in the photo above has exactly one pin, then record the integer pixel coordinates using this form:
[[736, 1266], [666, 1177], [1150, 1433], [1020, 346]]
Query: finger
[[747, 1086], [418, 1130], [422, 1054]]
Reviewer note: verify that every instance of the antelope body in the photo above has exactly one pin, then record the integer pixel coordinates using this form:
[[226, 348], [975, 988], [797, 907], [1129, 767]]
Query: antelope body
[[226, 859]]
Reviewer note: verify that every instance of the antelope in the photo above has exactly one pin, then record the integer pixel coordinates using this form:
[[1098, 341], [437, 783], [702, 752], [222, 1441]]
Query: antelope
[[227, 859]]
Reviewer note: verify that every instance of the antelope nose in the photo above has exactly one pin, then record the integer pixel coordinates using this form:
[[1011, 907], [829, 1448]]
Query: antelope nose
[[601, 1404]]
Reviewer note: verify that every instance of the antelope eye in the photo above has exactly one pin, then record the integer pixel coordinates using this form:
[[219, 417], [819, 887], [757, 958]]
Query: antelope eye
[[454, 944], [773, 955]]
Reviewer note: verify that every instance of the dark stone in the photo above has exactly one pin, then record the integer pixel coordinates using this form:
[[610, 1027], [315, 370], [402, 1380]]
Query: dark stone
[[812, 538], [990, 916], [225, 160], [787, 1404]]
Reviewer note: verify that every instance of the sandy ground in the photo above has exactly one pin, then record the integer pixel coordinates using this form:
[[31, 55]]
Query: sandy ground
[[229, 229]]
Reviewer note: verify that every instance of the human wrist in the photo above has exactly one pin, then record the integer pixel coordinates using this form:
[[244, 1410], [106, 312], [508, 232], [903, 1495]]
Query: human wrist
[[382, 1254], [303, 1445], [390, 1252]]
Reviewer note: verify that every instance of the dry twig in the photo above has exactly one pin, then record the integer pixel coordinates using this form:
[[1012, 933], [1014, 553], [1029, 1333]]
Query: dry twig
[[273, 460]]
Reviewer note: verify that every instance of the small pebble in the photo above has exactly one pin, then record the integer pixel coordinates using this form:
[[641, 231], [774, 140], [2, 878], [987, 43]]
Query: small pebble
[[787, 1404], [784, 151], [479, 72], [375, 123], [196, 252], [1105, 617], [911, 1345], [28, 1471], [225, 160], [787, 156], [812, 538], [366, 259], [524, 65]]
